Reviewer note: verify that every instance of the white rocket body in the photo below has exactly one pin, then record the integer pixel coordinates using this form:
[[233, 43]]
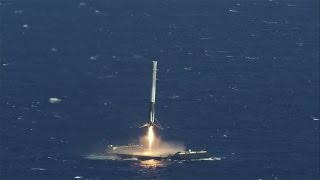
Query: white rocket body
[[152, 118], [153, 92]]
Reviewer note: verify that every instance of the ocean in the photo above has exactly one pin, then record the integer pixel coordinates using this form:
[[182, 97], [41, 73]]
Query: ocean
[[239, 78]]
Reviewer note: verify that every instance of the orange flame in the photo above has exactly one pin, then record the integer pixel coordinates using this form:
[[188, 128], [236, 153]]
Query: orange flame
[[150, 137]]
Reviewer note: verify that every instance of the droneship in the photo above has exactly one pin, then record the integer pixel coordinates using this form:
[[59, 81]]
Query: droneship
[[136, 151]]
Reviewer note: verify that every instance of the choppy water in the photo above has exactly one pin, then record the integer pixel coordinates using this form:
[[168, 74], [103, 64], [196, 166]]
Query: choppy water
[[238, 77]]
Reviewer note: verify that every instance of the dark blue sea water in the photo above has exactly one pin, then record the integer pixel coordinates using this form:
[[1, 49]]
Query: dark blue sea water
[[238, 77]]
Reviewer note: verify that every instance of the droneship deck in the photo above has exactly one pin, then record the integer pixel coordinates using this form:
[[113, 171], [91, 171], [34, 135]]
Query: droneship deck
[[130, 151]]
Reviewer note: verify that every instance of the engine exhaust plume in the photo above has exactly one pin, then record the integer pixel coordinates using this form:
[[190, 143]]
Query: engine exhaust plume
[[150, 137]]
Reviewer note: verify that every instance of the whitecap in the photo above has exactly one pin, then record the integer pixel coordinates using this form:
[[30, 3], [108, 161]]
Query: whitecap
[[233, 11], [5, 4], [52, 158], [38, 169], [314, 118], [174, 97], [270, 22], [299, 43], [208, 159], [221, 51], [234, 88], [131, 159], [25, 26], [251, 58], [54, 100], [18, 11], [57, 115], [95, 57], [146, 14], [102, 157], [206, 38], [82, 4]]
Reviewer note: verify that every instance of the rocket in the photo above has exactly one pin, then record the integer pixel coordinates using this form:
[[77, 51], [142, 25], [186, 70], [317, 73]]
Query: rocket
[[152, 120]]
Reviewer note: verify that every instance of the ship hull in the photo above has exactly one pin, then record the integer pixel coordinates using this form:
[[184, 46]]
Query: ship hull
[[190, 156], [172, 156], [139, 157], [177, 156]]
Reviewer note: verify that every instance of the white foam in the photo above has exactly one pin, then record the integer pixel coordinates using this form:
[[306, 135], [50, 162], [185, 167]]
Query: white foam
[[52, 158], [18, 11], [234, 88], [95, 57], [314, 118], [210, 159], [233, 11], [204, 159], [5, 3], [146, 14], [299, 43], [270, 22], [82, 4], [206, 38], [251, 58], [174, 96], [102, 157], [57, 115], [220, 51], [25, 26], [131, 159], [54, 100], [38, 169]]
